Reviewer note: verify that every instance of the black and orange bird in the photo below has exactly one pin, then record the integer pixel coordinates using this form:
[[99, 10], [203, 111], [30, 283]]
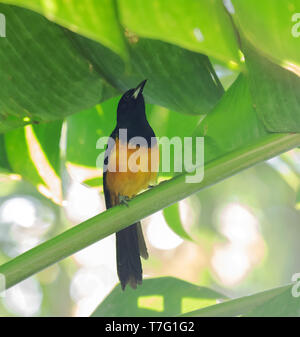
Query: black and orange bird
[[121, 182]]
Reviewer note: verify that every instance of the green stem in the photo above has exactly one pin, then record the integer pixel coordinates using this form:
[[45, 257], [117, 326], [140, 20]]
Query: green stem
[[140, 207]]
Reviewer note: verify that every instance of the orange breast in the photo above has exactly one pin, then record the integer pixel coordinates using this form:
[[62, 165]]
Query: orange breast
[[140, 166]]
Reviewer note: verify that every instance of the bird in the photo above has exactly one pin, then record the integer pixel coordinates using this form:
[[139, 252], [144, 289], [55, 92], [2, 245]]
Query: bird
[[121, 182]]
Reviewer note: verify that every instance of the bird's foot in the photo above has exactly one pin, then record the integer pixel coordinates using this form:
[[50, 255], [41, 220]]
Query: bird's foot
[[123, 200]]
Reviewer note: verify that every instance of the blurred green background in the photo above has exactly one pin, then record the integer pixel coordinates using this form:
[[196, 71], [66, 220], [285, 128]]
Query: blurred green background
[[243, 233], [225, 70]]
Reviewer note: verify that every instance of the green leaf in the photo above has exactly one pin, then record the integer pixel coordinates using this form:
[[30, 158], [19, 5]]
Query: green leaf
[[4, 164], [232, 124], [163, 296], [171, 124], [201, 26], [274, 302], [48, 136], [96, 19], [43, 78], [34, 157], [275, 93], [281, 305], [194, 88], [58, 80], [17, 149], [92, 182], [85, 128], [269, 26], [172, 217]]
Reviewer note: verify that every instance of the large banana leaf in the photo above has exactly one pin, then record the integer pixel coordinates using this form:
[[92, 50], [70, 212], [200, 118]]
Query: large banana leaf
[[272, 27], [198, 25], [43, 80], [275, 93], [42, 76], [34, 153], [96, 19], [163, 296]]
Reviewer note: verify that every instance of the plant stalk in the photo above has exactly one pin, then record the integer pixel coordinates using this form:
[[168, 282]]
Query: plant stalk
[[145, 204]]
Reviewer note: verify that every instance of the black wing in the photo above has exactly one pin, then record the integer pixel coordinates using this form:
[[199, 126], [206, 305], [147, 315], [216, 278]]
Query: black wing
[[106, 160]]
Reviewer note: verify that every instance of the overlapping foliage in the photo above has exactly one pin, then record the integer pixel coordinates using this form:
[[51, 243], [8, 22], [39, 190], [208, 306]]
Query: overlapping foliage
[[68, 61]]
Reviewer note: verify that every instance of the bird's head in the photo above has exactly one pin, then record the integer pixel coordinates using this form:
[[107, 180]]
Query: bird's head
[[132, 104]]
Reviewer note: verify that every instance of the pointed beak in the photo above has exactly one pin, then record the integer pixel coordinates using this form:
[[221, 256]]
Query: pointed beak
[[139, 89]]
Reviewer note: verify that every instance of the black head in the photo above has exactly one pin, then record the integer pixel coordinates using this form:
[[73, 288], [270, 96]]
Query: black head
[[131, 106]]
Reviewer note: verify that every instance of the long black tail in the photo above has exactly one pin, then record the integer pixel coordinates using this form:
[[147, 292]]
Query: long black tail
[[130, 246]]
